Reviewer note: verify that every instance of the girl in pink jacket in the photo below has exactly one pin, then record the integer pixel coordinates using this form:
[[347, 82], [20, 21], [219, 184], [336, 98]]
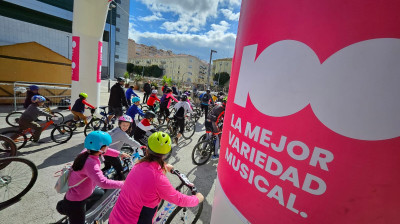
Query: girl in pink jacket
[[85, 176], [166, 102], [146, 185]]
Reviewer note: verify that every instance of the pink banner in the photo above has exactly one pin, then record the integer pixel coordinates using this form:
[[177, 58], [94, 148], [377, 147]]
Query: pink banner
[[75, 58], [311, 131], [99, 60]]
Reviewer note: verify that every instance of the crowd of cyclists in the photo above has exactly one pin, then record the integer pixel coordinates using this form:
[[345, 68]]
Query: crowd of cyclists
[[146, 184]]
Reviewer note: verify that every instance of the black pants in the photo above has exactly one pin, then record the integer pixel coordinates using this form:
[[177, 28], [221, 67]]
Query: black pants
[[146, 97], [165, 111], [116, 163], [205, 108], [180, 124], [75, 210]]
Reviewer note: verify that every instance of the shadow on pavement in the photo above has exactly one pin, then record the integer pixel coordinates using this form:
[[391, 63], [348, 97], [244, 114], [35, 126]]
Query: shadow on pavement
[[63, 156]]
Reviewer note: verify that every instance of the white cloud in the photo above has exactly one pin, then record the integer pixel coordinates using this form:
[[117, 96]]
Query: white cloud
[[154, 17], [354, 92], [195, 44], [230, 15]]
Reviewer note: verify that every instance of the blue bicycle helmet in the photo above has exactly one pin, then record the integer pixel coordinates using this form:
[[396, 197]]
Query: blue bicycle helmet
[[97, 139], [135, 99], [33, 87], [38, 98]]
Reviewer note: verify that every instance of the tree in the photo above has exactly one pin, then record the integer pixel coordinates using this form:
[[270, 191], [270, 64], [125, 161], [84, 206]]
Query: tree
[[223, 78], [130, 68]]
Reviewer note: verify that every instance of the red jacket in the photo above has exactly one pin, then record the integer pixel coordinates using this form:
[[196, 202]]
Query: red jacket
[[152, 99]]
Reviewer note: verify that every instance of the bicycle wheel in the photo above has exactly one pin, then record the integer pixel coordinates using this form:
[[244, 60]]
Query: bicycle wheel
[[188, 214], [7, 149], [202, 137], [12, 119], [127, 150], [17, 178], [61, 133], [19, 139], [160, 119], [202, 152], [190, 129], [96, 124], [59, 120], [71, 123]]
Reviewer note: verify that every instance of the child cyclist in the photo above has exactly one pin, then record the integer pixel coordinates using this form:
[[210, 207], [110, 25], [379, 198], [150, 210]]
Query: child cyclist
[[143, 126], [119, 137], [134, 109], [85, 176], [30, 115], [166, 102], [152, 99], [147, 184], [79, 108], [182, 108]]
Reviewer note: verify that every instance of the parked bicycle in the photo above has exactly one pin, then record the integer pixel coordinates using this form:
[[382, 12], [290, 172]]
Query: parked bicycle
[[60, 134], [12, 118], [172, 213], [17, 177]]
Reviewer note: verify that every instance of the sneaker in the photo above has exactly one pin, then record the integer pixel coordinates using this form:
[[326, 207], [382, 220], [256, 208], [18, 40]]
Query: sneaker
[[215, 157]]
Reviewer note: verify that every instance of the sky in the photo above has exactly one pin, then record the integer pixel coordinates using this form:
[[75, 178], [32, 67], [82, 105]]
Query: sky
[[186, 26]]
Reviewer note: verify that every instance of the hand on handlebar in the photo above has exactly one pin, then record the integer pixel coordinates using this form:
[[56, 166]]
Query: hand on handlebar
[[169, 168], [124, 155], [200, 197]]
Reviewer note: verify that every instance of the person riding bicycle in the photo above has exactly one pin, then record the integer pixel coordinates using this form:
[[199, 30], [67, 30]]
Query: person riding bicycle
[[117, 99], [134, 109], [86, 175], [182, 108], [143, 126], [206, 98], [147, 184], [166, 102], [33, 90], [31, 114], [213, 124], [152, 99], [128, 94], [119, 138], [79, 108]]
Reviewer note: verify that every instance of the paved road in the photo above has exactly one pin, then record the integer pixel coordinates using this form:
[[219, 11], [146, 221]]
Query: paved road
[[38, 205]]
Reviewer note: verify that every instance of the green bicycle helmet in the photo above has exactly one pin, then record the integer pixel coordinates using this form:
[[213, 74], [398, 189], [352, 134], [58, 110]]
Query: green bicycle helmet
[[84, 95], [159, 143]]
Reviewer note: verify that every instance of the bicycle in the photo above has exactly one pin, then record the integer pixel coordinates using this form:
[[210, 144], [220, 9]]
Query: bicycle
[[97, 213], [73, 124], [172, 212], [102, 123], [189, 130], [203, 149], [7, 149], [60, 134], [17, 177], [12, 118]]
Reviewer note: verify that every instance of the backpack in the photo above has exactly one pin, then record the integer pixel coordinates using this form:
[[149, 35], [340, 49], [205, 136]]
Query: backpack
[[205, 98], [62, 182], [180, 113]]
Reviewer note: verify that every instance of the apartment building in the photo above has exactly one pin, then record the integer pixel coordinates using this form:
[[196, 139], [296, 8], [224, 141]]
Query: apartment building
[[141, 50], [49, 23], [222, 65], [181, 68]]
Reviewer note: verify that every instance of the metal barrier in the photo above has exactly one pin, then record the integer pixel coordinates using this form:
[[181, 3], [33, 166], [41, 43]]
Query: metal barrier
[[15, 93]]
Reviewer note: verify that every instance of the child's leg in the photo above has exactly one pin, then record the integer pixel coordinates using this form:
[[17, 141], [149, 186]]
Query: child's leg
[[76, 116], [37, 130]]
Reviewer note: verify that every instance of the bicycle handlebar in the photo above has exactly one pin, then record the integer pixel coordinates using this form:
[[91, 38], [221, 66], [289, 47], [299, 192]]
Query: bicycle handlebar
[[185, 180]]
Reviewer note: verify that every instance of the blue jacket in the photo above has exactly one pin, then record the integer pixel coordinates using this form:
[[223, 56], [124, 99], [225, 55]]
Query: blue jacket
[[133, 110], [129, 93]]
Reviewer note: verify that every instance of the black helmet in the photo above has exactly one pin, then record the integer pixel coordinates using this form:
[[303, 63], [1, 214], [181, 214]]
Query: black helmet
[[149, 114], [168, 90], [121, 79], [183, 97]]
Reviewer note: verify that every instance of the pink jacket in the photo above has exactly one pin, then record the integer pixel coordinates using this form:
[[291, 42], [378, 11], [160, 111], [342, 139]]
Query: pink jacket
[[92, 170], [146, 185], [169, 95]]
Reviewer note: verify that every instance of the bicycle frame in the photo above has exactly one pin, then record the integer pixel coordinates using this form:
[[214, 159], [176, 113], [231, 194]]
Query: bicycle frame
[[44, 127], [166, 212]]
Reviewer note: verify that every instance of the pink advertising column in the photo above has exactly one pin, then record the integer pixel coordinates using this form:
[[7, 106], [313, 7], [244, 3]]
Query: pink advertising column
[[87, 29], [312, 125]]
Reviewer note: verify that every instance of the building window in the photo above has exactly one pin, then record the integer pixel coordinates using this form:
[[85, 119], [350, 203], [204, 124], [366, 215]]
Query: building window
[[116, 43], [116, 56], [117, 29]]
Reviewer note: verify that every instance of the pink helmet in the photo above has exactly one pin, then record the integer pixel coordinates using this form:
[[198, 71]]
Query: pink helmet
[[125, 118]]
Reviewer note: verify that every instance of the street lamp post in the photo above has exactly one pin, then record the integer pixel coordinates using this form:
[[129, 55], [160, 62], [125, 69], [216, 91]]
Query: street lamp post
[[209, 67]]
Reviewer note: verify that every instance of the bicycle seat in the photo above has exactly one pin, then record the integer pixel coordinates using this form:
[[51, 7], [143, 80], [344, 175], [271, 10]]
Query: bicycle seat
[[103, 107]]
